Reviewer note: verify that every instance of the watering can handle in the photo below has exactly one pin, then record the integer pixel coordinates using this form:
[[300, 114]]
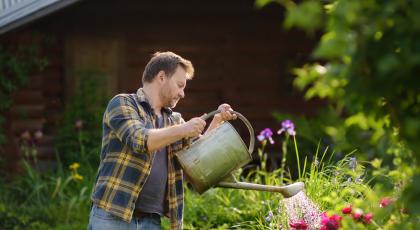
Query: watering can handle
[[244, 120]]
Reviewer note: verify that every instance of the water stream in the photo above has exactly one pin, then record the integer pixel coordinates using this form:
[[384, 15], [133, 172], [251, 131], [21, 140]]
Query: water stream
[[301, 207]]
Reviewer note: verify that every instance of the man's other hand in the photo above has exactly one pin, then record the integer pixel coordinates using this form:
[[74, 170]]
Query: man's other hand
[[194, 127]]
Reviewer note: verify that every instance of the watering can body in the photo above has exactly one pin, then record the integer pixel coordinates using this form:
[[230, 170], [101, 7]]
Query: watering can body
[[210, 160], [213, 157]]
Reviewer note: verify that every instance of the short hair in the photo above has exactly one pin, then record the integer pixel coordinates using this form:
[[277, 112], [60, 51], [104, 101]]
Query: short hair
[[168, 62]]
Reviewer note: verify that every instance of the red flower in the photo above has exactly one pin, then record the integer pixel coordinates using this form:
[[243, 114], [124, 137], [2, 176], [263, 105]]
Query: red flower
[[300, 225], [384, 202], [357, 214], [330, 223], [347, 210], [367, 219]]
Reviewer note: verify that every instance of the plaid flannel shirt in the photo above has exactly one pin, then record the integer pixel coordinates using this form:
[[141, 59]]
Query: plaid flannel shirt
[[125, 163]]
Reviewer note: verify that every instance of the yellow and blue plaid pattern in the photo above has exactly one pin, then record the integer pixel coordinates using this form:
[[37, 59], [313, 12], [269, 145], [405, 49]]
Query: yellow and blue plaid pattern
[[125, 163]]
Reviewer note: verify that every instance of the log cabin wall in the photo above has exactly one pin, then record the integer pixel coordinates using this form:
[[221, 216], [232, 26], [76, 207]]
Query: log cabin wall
[[36, 106]]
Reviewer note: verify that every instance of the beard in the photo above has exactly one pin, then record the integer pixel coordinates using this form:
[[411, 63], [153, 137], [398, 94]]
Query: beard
[[167, 99]]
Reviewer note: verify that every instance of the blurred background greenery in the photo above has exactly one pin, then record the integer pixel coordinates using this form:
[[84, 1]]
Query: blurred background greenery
[[365, 67]]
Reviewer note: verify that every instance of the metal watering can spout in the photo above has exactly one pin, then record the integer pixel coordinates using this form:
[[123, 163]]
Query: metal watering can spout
[[287, 191], [211, 159]]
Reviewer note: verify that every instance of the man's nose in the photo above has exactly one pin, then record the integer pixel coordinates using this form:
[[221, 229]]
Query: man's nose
[[181, 94]]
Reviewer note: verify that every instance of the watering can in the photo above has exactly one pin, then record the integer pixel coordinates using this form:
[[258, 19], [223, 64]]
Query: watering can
[[211, 159]]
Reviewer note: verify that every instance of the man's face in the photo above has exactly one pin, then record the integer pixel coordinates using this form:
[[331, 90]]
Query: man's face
[[173, 88]]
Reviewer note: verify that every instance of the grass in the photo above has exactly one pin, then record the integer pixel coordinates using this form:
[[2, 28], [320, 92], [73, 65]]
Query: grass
[[58, 201]]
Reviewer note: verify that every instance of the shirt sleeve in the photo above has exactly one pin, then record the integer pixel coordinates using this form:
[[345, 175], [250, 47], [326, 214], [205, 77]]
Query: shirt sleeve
[[128, 124]]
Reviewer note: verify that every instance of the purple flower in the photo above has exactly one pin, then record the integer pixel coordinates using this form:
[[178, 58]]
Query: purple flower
[[288, 127], [352, 163], [270, 215], [266, 134]]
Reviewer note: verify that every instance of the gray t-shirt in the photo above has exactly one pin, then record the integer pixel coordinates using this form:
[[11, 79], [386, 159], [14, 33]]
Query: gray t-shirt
[[152, 198]]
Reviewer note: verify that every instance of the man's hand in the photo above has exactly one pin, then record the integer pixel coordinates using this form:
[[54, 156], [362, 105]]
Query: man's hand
[[194, 127], [225, 113]]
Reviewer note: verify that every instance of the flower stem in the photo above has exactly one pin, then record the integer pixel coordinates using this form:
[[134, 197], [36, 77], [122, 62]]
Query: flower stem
[[297, 157], [283, 159]]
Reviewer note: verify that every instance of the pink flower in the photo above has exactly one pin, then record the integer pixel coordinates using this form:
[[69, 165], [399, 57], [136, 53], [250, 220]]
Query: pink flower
[[26, 136], [347, 210], [330, 223], [357, 214], [384, 202], [367, 219], [38, 135], [300, 225], [79, 125]]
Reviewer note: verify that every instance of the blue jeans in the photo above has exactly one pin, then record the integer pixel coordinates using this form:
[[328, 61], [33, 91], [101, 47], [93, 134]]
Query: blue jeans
[[99, 219]]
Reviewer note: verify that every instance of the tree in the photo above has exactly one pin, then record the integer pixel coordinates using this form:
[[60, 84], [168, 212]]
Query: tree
[[366, 64]]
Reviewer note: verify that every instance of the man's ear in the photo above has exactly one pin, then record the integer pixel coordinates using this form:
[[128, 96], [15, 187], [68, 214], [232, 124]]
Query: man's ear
[[161, 76]]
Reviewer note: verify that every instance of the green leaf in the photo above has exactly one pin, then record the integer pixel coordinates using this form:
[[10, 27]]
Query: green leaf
[[307, 15], [376, 163], [261, 3]]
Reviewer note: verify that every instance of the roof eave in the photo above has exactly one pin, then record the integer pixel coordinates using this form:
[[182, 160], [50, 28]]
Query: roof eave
[[28, 13]]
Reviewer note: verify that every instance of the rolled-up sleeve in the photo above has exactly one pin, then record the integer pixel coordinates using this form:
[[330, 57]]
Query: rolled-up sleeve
[[128, 124]]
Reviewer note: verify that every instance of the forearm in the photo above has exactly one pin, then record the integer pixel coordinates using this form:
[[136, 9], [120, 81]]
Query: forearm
[[214, 124], [159, 138]]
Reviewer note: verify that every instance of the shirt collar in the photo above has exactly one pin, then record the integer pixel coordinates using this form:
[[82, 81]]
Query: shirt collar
[[143, 100]]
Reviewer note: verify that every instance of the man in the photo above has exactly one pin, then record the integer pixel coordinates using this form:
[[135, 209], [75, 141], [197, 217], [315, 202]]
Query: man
[[139, 179]]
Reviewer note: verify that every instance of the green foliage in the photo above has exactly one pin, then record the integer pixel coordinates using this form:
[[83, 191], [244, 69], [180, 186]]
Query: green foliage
[[307, 15], [14, 219], [372, 57], [81, 124], [331, 185], [16, 63], [366, 65], [221, 208], [45, 201], [342, 135], [60, 199]]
